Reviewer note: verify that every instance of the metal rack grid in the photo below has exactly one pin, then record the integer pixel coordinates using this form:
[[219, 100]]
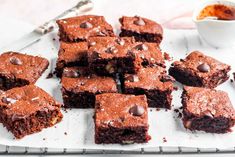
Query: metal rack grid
[[7, 150]]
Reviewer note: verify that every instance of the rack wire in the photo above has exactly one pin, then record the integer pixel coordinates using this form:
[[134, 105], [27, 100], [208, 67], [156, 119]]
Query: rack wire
[[7, 150]]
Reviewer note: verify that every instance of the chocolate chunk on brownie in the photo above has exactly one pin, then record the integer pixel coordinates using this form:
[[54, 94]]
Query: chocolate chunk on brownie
[[142, 29], [17, 69], [154, 83], [121, 119], [27, 110], [71, 54], [148, 54], [208, 110], [200, 70], [109, 55], [80, 28], [79, 87]]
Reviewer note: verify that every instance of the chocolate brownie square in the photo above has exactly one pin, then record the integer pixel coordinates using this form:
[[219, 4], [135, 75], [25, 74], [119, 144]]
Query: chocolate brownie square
[[208, 110], [80, 28], [17, 69], [109, 55], [142, 29], [200, 70], [121, 119], [79, 87], [148, 54], [27, 110], [154, 83], [71, 54]]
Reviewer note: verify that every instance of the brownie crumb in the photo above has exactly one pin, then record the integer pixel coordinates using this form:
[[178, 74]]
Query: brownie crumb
[[158, 109], [53, 39], [176, 88], [231, 80], [176, 110], [65, 133], [44, 139], [164, 139], [50, 75], [167, 57], [151, 110]]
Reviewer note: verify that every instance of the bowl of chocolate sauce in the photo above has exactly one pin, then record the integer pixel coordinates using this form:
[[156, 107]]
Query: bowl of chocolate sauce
[[215, 22]]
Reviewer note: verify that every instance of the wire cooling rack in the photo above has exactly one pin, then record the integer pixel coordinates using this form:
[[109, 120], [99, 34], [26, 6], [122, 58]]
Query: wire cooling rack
[[7, 150]]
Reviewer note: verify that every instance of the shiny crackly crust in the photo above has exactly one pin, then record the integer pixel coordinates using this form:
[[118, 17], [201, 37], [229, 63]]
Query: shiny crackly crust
[[69, 28]]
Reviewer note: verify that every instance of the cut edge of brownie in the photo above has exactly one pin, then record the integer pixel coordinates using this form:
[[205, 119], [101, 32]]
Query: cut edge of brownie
[[86, 99], [155, 98], [192, 79], [37, 122], [205, 123], [142, 37], [105, 135]]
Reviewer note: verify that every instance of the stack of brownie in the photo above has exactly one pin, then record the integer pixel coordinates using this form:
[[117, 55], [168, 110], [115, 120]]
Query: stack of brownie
[[24, 107], [118, 76], [204, 108]]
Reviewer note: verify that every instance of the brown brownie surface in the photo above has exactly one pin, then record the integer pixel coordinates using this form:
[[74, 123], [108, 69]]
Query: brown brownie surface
[[18, 69], [29, 109], [80, 28], [209, 110]]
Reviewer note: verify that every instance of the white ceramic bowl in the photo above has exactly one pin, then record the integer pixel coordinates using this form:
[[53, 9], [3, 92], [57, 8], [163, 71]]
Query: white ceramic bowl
[[217, 33]]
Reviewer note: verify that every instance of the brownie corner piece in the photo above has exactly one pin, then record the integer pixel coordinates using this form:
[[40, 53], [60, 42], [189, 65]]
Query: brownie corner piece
[[121, 119], [154, 83], [80, 28], [200, 70], [18, 69], [79, 87], [207, 110], [27, 110], [71, 54], [142, 29]]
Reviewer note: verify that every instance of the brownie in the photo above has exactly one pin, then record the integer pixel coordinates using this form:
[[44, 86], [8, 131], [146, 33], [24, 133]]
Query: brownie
[[27, 110], [18, 69], [142, 29], [200, 70], [208, 110], [79, 87], [71, 54], [80, 28], [148, 54], [121, 119], [154, 83], [109, 55]]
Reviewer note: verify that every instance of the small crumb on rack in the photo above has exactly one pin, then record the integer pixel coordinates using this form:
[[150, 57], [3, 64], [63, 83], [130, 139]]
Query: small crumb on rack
[[164, 139], [65, 133]]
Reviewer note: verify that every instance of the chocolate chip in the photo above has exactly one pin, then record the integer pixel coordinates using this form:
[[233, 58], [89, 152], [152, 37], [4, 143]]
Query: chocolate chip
[[86, 25], [8, 100], [141, 47], [136, 110], [139, 22], [111, 50], [120, 41], [204, 67], [132, 78], [70, 73], [15, 61]]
